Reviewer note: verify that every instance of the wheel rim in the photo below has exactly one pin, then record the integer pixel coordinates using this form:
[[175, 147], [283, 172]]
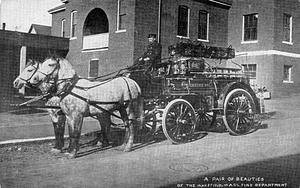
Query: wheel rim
[[179, 121], [239, 112]]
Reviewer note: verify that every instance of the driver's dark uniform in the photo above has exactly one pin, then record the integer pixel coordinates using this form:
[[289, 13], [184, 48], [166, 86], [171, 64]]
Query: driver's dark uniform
[[153, 53]]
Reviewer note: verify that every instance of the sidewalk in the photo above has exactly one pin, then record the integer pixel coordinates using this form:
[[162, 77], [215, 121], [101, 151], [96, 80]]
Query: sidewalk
[[37, 125]]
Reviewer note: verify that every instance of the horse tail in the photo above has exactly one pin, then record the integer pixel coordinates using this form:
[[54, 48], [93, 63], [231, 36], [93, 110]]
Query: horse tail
[[133, 88]]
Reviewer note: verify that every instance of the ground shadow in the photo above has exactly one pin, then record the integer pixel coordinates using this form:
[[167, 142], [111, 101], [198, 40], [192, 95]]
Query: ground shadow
[[116, 139]]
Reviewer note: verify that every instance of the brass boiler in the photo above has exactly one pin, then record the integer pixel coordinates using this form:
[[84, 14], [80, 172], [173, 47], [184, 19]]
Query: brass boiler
[[180, 67]]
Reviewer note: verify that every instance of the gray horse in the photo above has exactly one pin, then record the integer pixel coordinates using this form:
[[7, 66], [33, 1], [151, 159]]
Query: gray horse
[[57, 117], [80, 97]]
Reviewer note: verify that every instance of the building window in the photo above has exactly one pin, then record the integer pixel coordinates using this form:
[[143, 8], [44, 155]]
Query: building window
[[93, 70], [203, 25], [95, 30], [250, 27], [63, 29], [287, 73], [250, 70], [183, 21], [73, 23], [287, 28], [121, 15]]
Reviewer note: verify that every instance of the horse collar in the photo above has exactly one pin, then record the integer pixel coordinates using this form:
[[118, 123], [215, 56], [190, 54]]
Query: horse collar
[[68, 87]]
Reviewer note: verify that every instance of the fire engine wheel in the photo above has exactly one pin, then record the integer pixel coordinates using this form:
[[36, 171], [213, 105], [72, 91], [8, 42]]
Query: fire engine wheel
[[239, 112], [205, 118], [179, 121], [152, 120]]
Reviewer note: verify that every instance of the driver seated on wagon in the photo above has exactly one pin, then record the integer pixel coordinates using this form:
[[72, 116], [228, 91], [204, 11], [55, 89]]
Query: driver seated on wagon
[[143, 68], [153, 54]]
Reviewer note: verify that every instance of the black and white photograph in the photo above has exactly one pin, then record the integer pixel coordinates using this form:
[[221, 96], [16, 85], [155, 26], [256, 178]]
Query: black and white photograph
[[149, 93]]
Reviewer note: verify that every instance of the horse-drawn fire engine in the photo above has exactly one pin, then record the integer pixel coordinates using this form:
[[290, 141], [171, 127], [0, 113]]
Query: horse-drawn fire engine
[[179, 94], [184, 92]]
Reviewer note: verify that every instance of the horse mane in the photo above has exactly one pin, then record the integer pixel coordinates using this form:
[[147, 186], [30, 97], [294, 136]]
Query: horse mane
[[66, 69]]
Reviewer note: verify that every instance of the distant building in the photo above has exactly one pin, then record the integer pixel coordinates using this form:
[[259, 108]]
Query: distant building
[[18, 15], [266, 37], [108, 35], [40, 29]]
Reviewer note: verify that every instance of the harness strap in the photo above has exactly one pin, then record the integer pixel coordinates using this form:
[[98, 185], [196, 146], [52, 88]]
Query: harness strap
[[95, 104], [87, 88], [130, 94]]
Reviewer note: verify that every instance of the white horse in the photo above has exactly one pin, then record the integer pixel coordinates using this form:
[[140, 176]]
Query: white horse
[[80, 97], [57, 117]]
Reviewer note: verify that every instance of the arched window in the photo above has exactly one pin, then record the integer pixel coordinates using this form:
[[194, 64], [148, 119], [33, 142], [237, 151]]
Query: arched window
[[95, 23], [95, 30]]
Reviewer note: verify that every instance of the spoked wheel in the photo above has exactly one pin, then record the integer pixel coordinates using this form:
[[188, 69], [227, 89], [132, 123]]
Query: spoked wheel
[[179, 121], [205, 119], [239, 112], [150, 120]]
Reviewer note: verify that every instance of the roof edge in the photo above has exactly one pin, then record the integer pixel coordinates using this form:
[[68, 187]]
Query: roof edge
[[57, 9], [228, 3]]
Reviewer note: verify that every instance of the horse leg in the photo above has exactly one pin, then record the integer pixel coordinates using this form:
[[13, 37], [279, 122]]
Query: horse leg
[[58, 120], [105, 129], [134, 111], [74, 123], [61, 130], [129, 124], [105, 123], [124, 117], [130, 137]]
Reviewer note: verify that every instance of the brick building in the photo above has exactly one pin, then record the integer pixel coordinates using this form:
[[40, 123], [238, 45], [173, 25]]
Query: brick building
[[266, 37], [108, 35]]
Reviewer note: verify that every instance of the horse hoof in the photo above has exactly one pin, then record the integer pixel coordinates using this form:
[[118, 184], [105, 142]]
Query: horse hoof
[[55, 150], [150, 137], [94, 142], [121, 148], [70, 155], [105, 144], [127, 149]]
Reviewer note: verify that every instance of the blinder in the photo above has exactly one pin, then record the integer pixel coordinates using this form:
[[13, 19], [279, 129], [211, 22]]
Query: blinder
[[35, 70], [49, 77]]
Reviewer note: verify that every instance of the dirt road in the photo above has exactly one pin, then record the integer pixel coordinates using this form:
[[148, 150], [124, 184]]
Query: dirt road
[[269, 157]]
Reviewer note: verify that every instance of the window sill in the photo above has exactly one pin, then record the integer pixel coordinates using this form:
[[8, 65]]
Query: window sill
[[202, 40], [182, 37], [285, 42], [72, 38], [288, 82], [94, 50], [121, 31], [249, 42]]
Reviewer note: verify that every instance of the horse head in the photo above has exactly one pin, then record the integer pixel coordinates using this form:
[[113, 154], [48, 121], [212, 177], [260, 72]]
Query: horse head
[[53, 71], [23, 79]]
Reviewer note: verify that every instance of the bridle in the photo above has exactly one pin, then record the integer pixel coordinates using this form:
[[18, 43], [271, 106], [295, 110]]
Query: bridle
[[48, 76], [54, 82], [35, 70]]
